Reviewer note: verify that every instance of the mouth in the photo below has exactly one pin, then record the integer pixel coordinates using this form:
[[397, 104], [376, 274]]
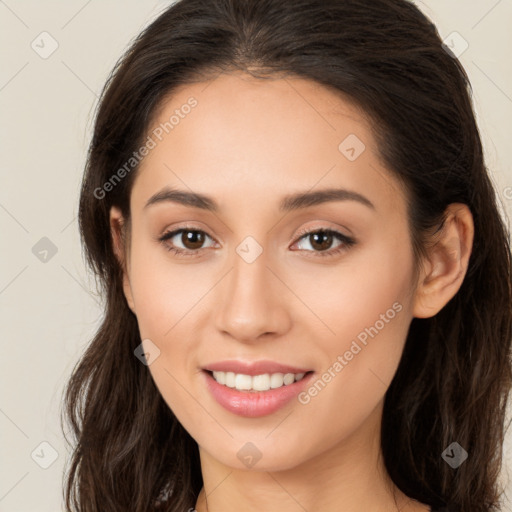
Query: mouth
[[255, 388], [256, 383]]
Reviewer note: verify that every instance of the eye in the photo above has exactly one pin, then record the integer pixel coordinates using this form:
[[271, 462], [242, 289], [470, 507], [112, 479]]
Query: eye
[[191, 240], [321, 241]]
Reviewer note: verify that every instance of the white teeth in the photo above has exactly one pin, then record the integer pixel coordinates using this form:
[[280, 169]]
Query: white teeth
[[276, 380], [220, 377], [230, 379], [262, 382], [289, 378], [243, 381]]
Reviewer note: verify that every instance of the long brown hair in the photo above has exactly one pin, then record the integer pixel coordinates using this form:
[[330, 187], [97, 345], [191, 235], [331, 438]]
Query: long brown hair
[[454, 376]]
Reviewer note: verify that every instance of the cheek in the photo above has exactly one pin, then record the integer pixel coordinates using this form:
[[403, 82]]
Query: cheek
[[351, 297], [365, 311], [167, 297], [164, 292], [170, 301]]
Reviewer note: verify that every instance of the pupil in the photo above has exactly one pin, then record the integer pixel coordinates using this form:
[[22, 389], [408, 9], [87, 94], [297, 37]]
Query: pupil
[[320, 246], [195, 238]]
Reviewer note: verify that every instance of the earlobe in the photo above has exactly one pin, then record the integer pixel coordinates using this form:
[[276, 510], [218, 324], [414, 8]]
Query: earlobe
[[448, 258], [118, 233]]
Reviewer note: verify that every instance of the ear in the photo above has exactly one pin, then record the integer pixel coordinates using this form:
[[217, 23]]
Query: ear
[[448, 258], [118, 232]]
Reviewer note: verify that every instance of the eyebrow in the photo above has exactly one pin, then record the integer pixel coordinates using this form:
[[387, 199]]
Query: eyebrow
[[290, 202]]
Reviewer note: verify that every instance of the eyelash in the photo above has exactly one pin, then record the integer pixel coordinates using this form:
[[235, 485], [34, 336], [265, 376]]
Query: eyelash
[[347, 242]]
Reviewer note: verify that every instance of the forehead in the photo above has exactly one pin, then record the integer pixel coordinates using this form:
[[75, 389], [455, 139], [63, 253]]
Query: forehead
[[238, 108], [254, 137]]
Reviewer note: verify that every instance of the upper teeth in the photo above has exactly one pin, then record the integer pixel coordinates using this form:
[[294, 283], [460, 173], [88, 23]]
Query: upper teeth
[[262, 382]]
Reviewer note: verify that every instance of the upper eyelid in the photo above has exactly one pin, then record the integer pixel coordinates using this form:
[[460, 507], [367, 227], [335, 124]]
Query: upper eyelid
[[308, 231]]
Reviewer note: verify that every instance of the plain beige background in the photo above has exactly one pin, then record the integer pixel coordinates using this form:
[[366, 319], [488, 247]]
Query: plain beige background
[[48, 308]]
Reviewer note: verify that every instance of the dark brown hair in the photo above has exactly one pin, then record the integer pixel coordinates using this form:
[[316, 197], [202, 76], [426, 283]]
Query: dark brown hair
[[455, 373]]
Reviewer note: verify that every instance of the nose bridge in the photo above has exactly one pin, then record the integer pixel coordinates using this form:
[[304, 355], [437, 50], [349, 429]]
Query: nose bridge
[[250, 303]]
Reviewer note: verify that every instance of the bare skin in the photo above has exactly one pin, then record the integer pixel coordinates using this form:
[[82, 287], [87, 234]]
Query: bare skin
[[247, 144]]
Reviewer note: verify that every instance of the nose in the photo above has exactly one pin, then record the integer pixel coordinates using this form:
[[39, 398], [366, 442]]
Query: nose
[[252, 302]]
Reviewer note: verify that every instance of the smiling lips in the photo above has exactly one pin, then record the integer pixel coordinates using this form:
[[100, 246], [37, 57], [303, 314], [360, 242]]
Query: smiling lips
[[254, 389]]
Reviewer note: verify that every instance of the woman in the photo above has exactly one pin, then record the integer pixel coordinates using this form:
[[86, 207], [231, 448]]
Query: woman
[[307, 280]]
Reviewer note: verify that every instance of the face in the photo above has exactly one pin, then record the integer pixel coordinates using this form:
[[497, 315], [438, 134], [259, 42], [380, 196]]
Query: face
[[321, 285]]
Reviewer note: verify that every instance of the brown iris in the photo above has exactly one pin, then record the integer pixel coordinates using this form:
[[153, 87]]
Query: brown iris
[[321, 240], [194, 238]]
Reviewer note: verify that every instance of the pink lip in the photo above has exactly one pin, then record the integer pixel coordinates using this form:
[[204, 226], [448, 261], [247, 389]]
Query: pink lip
[[254, 368], [253, 404]]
